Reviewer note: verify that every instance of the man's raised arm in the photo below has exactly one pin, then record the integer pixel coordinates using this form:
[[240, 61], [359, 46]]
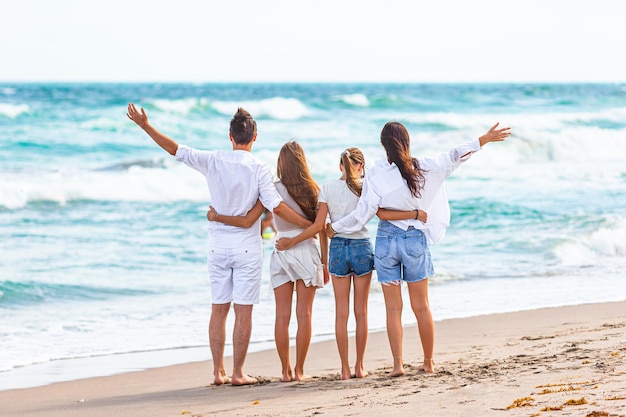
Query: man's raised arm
[[141, 118]]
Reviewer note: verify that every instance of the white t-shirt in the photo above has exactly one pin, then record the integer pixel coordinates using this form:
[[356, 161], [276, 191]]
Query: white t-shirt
[[236, 181], [384, 187], [341, 202]]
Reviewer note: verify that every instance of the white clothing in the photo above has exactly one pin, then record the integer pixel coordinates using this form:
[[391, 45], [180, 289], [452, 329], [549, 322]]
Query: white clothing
[[384, 187], [235, 274], [302, 261], [299, 262], [341, 202], [280, 224], [236, 179]]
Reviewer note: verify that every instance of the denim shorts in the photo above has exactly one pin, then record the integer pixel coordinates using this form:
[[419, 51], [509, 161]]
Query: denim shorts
[[350, 257], [401, 255]]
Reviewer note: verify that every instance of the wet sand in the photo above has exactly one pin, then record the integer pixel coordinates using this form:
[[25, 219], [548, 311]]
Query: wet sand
[[554, 361]]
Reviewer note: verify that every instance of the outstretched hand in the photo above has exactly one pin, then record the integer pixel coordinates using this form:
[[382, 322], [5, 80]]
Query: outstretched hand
[[495, 135], [140, 118]]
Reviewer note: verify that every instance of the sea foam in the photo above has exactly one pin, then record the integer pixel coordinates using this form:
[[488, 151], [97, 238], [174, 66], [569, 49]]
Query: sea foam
[[132, 182], [279, 108], [13, 110], [357, 99], [595, 247], [181, 106]]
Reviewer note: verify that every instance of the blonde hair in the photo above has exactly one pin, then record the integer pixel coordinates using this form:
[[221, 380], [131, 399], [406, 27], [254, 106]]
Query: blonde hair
[[349, 158]]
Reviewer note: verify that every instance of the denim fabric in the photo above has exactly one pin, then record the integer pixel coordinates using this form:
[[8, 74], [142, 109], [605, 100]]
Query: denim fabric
[[401, 255], [350, 257]]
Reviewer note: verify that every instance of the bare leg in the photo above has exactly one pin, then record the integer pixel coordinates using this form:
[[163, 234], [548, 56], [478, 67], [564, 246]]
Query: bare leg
[[217, 339], [341, 288], [283, 296], [304, 308], [393, 306], [361, 296], [241, 340], [418, 293]]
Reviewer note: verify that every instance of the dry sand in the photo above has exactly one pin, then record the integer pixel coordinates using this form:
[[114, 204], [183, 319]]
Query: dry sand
[[566, 361]]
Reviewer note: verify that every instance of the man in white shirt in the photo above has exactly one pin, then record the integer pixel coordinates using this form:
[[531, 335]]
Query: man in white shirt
[[236, 180]]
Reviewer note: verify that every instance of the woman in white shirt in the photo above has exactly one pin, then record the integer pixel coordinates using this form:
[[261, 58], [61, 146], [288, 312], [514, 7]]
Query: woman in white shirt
[[401, 182], [299, 268], [351, 259]]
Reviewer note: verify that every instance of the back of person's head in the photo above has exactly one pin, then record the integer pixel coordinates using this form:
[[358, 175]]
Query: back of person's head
[[242, 127], [293, 172], [350, 158], [395, 139]]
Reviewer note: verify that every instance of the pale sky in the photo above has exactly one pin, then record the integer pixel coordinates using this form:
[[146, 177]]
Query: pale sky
[[316, 40]]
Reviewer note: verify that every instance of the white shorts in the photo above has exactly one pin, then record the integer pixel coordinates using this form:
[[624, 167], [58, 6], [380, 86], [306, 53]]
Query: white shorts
[[235, 274], [299, 262]]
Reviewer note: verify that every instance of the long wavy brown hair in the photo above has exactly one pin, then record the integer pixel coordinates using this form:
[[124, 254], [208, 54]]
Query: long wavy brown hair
[[349, 158], [395, 139], [293, 172]]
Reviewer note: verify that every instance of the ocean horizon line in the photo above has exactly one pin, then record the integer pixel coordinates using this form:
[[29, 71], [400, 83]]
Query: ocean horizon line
[[311, 82]]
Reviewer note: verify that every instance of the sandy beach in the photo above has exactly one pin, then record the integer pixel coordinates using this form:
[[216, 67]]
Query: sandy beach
[[554, 361]]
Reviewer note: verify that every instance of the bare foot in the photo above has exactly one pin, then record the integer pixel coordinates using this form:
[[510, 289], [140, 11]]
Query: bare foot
[[301, 377], [360, 373], [398, 370], [345, 374], [287, 376], [244, 380], [398, 367], [428, 366], [221, 378]]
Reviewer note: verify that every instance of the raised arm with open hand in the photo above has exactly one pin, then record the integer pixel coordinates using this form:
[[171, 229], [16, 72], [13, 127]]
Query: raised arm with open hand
[[495, 135], [141, 118]]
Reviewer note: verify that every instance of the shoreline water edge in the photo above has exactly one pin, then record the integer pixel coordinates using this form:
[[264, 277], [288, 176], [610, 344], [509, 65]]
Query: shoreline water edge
[[534, 362]]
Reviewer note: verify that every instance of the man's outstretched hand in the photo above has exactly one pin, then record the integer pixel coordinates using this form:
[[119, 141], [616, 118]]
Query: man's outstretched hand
[[141, 118]]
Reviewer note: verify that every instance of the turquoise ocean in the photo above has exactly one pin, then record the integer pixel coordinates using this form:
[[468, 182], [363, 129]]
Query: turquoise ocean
[[103, 234]]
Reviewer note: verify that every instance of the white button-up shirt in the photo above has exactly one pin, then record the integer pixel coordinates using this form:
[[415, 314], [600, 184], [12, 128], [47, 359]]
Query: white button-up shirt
[[384, 187], [236, 180]]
